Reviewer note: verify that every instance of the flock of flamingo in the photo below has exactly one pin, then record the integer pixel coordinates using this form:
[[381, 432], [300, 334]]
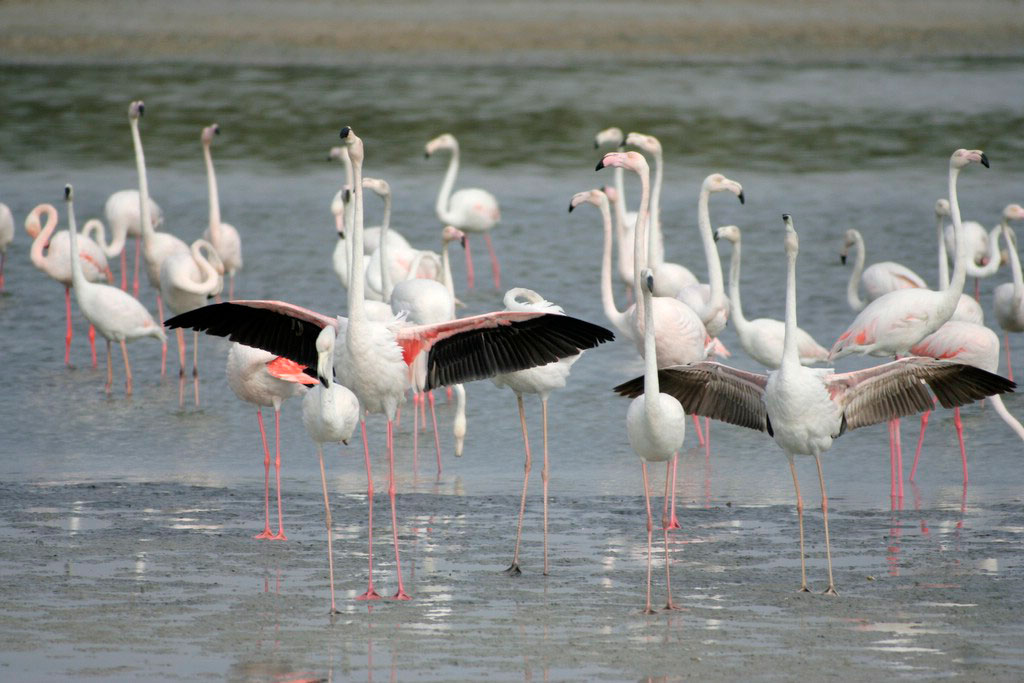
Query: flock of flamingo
[[401, 333]]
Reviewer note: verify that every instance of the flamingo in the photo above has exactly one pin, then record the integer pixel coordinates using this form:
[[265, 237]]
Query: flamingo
[[116, 314], [223, 236], [967, 307], [972, 344], [656, 426], [806, 409], [373, 362], [6, 235], [51, 252], [540, 380], [624, 219], [124, 219], [762, 338], [878, 278], [469, 209], [394, 259], [259, 378], [1008, 298], [186, 282], [980, 251], [329, 413], [896, 321]]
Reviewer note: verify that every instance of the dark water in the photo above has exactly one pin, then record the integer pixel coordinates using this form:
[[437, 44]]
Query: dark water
[[857, 145]]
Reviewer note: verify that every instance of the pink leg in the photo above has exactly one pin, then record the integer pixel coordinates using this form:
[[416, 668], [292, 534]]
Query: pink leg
[[124, 270], [279, 536], [669, 467], [181, 368], [327, 511], [92, 344], [135, 281], [673, 520], [67, 336], [977, 290], [195, 366], [892, 460], [416, 398], [3, 260], [266, 533], [370, 593], [544, 478], [920, 440], [800, 520], [700, 434], [650, 529], [1009, 366], [127, 367], [160, 320], [495, 269], [899, 461], [437, 440], [960, 437], [401, 594], [513, 569], [469, 264], [110, 371]]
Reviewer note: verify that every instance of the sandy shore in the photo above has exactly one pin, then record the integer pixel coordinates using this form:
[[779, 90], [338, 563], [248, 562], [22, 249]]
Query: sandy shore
[[311, 31]]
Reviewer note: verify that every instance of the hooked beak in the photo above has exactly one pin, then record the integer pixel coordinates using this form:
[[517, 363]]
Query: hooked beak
[[984, 158], [600, 164], [571, 207], [740, 195], [344, 132], [842, 259]]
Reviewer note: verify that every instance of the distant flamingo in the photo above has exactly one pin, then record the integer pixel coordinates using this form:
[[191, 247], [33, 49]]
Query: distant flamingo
[[373, 362], [116, 314], [762, 338], [6, 235], [806, 409], [124, 219], [55, 261], [617, 198], [656, 426], [471, 210], [980, 252], [1008, 298], [223, 236], [878, 278], [967, 307], [250, 376]]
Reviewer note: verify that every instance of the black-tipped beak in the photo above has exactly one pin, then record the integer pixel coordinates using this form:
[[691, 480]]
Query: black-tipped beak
[[462, 241], [984, 160], [650, 282], [716, 235], [345, 441], [142, 109], [742, 200], [67, 192], [216, 130], [347, 197], [323, 381], [426, 155], [785, 216], [596, 146], [600, 165], [842, 259], [571, 207], [344, 132]]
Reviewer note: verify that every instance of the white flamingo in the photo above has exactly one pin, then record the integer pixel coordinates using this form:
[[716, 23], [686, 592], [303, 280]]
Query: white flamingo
[[6, 236], [471, 210], [223, 236], [117, 315], [762, 338], [624, 219], [1008, 298], [124, 219], [878, 278], [51, 252], [806, 409], [373, 362], [967, 307], [980, 251]]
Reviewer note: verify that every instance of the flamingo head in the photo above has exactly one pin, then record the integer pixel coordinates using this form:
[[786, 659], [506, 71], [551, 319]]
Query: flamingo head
[[451, 234], [611, 193], [378, 186], [69, 193], [716, 182], [632, 161], [963, 157], [208, 133], [849, 240], [609, 136], [942, 207], [325, 354], [443, 141], [647, 279], [792, 243], [1013, 212], [353, 143], [729, 233], [135, 110], [595, 197], [647, 143]]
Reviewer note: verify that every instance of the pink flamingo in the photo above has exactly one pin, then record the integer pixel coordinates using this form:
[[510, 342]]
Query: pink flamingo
[[223, 236], [51, 253], [894, 322], [878, 278], [470, 209], [1008, 298], [123, 217], [967, 307], [374, 360]]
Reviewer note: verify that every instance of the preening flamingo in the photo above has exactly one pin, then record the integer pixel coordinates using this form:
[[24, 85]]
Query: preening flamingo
[[124, 219], [967, 307], [806, 409], [471, 210], [51, 253], [255, 377], [1008, 298], [656, 427], [223, 236], [762, 338], [373, 362], [115, 313], [878, 278], [6, 235]]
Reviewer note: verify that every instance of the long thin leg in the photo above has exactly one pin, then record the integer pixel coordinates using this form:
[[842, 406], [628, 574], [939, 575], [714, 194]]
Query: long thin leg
[[495, 268], [3, 260], [469, 263], [135, 281], [544, 477], [401, 594], [181, 368], [195, 366], [899, 460], [327, 511], [977, 289], [370, 593], [673, 522], [696, 425], [650, 529], [92, 344], [1009, 365], [124, 270], [892, 461], [920, 440], [127, 367], [67, 335], [960, 437], [513, 569], [664, 530], [279, 536], [800, 518], [416, 398], [110, 371], [437, 439], [160, 317], [831, 590], [266, 533]]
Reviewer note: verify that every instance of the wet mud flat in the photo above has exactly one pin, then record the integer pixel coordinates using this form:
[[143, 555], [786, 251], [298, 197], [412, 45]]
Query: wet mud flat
[[125, 581]]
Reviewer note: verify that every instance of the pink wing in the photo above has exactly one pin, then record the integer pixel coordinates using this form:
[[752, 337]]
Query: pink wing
[[289, 371]]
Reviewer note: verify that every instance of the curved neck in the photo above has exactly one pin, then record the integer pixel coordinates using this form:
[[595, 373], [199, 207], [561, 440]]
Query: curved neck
[[710, 250], [446, 186], [639, 231], [356, 272], [211, 187], [77, 277], [790, 354], [607, 297], [624, 253], [140, 167], [852, 295], [1018, 278], [956, 283], [736, 307], [95, 229], [42, 238], [994, 261], [943, 257], [209, 277], [446, 269], [655, 243]]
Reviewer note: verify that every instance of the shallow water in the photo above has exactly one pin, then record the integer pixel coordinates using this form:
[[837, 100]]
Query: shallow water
[[855, 145]]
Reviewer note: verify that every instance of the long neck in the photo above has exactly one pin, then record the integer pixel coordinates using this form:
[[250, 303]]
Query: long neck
[[956, 284], [1018, 279], [140, 167], [211, 188], [710, 250], [607, 297], [639, 233], [790, 355], [386, 285], [852, 295], [211, 278], [99, 232], [651, 387], [77, 277], [446, 269], [992, 266], [446, 185], [356, 272], [656, 244], [624, 253], [736, 308], [943, 258]]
